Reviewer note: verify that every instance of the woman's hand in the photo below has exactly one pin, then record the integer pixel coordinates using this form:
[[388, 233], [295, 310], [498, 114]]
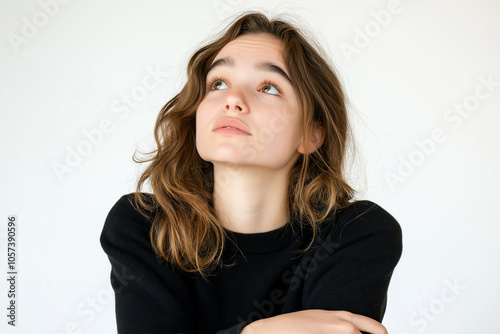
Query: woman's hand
[[317, 322]]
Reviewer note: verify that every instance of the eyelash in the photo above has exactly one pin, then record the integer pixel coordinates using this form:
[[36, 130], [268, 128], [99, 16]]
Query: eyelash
[[211, 83], [267, 82]]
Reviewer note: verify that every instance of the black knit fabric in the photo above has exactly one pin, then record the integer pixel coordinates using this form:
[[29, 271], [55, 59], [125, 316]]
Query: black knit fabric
[[348, 268]]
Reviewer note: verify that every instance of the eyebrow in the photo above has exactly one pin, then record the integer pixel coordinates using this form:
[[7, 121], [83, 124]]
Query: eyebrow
[[263, 65]]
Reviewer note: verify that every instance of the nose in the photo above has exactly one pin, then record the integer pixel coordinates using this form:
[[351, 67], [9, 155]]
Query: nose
[[235, 101]]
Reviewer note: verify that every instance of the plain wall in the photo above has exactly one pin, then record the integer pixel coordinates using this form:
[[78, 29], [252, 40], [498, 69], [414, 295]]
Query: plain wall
[[423, 79]]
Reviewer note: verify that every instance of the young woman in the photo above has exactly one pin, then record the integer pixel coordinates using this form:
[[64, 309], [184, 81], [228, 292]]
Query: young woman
[[251, 227]]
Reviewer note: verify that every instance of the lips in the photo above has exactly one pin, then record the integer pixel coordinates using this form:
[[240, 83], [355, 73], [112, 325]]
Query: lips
[[231, 123]]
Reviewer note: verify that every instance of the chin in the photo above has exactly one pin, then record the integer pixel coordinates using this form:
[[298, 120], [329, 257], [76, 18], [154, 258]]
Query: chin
[[224, 153], [227, 160]]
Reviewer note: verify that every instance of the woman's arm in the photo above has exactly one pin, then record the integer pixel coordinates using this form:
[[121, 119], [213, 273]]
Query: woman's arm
[[149, 296], [348, 277], [364, 247], [317, 322]]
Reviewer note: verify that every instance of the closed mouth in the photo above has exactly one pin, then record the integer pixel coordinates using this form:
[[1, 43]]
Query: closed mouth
[[231, 123]]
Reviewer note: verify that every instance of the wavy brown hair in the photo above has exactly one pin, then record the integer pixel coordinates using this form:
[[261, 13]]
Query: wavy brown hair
[[186, 231]]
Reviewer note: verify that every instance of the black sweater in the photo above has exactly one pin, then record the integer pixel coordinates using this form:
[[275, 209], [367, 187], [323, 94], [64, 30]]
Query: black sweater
[[348, 268]]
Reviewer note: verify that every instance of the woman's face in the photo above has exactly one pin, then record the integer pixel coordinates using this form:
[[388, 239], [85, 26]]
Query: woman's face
[[249, 83]]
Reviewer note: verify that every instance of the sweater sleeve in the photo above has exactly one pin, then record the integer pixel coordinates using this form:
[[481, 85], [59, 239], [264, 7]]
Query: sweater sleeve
[[149, 296], [352, 268]]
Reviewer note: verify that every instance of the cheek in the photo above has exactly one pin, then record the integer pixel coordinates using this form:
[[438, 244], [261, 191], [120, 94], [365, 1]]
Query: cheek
[[200, 124], [277, 135], [201, 118], [284, 123]]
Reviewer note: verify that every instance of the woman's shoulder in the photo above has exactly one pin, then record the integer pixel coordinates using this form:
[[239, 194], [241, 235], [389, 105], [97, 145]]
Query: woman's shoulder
[[366, 226], [126, 218], [367, 214], [126, 206]]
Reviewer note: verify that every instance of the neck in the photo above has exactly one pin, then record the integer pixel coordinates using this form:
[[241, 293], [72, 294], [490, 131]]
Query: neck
[[250, 199]]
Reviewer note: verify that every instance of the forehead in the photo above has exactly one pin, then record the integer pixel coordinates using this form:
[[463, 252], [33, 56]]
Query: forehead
[[259, 45]]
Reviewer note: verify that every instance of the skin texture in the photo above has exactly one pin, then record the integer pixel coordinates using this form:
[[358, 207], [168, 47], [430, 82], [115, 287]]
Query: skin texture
[[251, 172], [316, 321]]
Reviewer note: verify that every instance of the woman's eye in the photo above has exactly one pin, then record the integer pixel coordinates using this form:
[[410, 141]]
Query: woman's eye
[[219, 84], [270, 89]]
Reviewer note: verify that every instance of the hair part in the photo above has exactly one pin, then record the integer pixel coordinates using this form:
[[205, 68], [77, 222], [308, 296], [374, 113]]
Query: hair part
[[186, 231]]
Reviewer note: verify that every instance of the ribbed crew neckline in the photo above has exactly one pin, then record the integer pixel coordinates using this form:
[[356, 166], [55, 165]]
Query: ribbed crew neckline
[[263, 242]]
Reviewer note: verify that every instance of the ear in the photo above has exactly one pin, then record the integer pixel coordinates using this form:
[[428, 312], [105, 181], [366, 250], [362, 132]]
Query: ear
[[311, 145]]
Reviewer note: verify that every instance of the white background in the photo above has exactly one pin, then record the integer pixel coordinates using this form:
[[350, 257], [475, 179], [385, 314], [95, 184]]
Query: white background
[[73, 70]]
